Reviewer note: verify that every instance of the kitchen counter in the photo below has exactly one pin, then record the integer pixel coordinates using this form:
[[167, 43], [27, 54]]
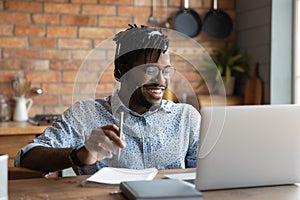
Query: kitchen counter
[[20, 128], [15, 135]]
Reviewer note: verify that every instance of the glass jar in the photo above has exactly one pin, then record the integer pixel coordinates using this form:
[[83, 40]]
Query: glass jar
[[5, 112]]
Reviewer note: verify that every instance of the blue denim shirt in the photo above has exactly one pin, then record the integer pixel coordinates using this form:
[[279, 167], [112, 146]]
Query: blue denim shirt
[[165, 138]]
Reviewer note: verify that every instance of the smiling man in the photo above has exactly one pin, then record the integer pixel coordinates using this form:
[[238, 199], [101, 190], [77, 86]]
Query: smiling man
[[157, 133]]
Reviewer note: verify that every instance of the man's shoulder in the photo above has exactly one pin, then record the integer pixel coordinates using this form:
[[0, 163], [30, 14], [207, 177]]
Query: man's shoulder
[[179, 106], [90, 104]]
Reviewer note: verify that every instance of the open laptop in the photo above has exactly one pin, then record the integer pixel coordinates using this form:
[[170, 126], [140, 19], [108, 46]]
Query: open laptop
[[247, 146]]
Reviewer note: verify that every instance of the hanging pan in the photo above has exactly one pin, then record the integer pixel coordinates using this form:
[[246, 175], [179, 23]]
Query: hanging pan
[[217, 23], [187, 21]]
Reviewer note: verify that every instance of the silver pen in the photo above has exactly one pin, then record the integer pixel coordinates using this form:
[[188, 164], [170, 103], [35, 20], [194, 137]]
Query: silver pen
[[121, 130]]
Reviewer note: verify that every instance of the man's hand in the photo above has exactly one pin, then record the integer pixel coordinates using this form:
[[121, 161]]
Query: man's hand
[[103, 143]]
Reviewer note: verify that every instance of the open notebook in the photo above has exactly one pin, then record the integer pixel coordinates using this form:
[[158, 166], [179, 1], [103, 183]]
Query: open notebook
[[112, 177]]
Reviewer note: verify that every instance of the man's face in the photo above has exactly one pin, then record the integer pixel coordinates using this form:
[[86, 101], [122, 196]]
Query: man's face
[[149, 81]]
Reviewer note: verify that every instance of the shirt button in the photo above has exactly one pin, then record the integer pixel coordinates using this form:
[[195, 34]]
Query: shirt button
[[148, 165], [146, 139]]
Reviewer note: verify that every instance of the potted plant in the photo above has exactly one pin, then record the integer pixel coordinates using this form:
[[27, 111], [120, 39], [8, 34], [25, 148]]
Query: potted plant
[[230, 64]]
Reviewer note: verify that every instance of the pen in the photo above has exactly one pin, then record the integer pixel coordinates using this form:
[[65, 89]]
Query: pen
[[121, 130]]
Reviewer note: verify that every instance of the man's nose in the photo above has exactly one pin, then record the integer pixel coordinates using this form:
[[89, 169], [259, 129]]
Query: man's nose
[[160, 77]]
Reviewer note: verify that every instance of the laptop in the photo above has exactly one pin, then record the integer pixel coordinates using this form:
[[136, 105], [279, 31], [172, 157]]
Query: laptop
[[248, 146]]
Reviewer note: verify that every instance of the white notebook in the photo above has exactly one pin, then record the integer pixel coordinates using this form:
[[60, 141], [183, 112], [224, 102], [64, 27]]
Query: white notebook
[[112, 177]]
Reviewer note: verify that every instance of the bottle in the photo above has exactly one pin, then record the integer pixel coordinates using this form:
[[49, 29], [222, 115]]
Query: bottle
[[5, 112]]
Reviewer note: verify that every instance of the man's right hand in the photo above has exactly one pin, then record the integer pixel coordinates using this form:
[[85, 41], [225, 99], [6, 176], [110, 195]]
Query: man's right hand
[[103, 143]]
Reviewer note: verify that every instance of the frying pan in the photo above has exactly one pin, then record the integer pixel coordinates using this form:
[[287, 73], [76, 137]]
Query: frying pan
[[217, 23], [187, 21]]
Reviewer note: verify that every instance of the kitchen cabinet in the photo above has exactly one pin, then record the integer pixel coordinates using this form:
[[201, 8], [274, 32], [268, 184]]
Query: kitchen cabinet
[[15, 135]]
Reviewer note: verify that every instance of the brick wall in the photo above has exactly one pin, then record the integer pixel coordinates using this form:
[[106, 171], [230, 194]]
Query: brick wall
[[47, 41]]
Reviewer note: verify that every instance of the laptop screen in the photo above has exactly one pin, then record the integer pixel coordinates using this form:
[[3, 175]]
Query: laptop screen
[[246, 146]]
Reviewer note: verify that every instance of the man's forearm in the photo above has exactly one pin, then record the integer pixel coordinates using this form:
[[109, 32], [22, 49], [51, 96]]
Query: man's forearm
[[46, 159]]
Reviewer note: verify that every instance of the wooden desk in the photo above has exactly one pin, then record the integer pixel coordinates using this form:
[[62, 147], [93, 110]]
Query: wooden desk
[[69, 188], [15, 135]]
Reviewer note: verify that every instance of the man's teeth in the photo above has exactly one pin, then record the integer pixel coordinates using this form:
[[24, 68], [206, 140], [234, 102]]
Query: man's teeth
[[156, 90]]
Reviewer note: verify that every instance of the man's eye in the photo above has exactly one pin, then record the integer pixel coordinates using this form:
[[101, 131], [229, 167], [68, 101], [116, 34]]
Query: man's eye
[[151, 70]]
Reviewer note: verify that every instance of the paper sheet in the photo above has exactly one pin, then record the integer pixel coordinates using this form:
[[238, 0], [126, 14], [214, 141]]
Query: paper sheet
[[182, 176], [188, 178], [110, 175]]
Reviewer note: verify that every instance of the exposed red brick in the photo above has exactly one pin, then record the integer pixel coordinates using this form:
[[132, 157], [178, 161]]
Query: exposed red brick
[[78, 20], [56, 54], [7, 76], [5, 88], [141, 21], [14, 64], [67, 100], [79, 54], [56, 1], [36, 109], [58, 88], [42, 43], [43, 77], [14, 17], [98, 10], [65, 65], [105, 88], [23, 6], [55, 109], [113, 21], [45, 18], [29, 30], [95, 32], [107, 77], [61, 8], [53, 56], [6, 30], [96, 89], [40, 65], [118, 2], [80, 77], [46, 99], [133, 11], [85, 1], [74, 44], [21, 53], [61, 31], [178, 4]]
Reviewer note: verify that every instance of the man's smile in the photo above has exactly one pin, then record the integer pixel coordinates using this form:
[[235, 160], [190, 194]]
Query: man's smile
[[154, 91]]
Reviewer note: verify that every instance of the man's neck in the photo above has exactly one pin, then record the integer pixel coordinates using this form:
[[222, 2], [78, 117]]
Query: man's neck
[[134, 103]]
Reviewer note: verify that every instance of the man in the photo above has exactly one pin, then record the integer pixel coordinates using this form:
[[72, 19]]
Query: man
[[157, 133]]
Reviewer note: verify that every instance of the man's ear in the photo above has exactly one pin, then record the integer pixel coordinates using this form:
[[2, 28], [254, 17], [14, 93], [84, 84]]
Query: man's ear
[[119, 72]]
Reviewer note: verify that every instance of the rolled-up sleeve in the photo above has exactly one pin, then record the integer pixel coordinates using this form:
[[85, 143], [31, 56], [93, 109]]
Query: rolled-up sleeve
[[62, 134]]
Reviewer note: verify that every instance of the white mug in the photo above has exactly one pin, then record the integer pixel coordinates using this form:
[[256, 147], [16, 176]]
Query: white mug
[[3, 177], [22, 108]]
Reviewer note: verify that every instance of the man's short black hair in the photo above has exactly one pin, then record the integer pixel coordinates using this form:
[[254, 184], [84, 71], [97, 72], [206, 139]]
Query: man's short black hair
[[134, 41]]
